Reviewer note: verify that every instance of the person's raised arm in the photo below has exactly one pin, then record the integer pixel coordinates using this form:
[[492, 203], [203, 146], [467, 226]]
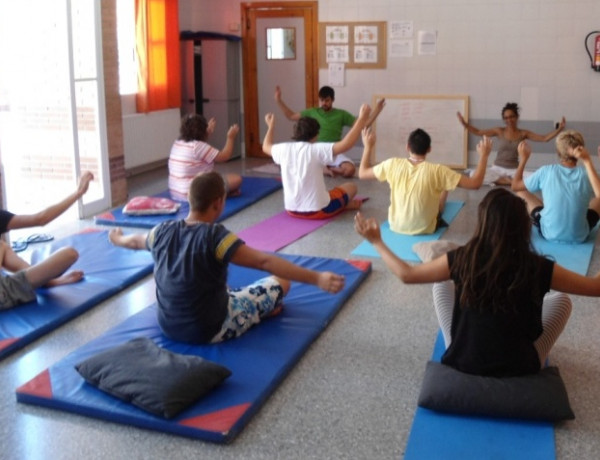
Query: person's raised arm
[[518, 184], [428, 272], [379, 105], [131, 241], [353, 134], [250, 257], [569, 282], [267, 144], [211, 125], [52, 212], [491, 132], [227, 151], [582, 154], [546, 137], [289, 113], [365, 170], [484, 147]]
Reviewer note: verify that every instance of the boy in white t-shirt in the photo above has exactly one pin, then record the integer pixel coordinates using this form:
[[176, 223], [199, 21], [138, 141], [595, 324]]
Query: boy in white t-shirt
[[302, 161]]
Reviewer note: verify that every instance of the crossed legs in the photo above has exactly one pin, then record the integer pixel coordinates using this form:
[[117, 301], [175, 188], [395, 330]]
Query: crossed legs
[[556, 310], [50, 272]]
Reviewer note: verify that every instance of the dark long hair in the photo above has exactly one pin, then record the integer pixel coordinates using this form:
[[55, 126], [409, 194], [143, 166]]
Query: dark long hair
[[496, 266]]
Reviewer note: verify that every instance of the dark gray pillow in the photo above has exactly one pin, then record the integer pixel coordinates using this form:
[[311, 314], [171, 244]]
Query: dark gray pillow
[[540, 396], [152, 378]]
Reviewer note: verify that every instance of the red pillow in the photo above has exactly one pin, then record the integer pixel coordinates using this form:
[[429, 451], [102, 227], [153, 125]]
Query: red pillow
[[146, 205]]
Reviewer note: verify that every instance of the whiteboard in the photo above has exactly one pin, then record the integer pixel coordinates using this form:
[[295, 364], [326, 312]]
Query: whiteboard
[[403, 114]]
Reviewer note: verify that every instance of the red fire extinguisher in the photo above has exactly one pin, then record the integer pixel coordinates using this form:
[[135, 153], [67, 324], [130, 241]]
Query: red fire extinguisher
[[595, 60]]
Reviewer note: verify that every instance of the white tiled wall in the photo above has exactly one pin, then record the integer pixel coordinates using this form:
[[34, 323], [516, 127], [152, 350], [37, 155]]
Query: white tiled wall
[[527, 51], [495, 51]]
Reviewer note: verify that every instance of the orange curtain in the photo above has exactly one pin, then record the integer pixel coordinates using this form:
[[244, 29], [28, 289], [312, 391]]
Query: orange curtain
[[157, 46]]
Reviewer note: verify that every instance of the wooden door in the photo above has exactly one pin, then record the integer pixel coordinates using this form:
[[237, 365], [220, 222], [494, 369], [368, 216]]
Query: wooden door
[[298, 77]]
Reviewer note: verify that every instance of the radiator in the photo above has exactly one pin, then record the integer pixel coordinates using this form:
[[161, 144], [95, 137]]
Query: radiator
[[147, 138]]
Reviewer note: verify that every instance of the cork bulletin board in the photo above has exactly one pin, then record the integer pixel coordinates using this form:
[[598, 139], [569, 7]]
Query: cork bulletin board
[[358, 45]]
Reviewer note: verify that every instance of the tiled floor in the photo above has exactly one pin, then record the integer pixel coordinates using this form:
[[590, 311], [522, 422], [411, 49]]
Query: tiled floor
[[352, 395]]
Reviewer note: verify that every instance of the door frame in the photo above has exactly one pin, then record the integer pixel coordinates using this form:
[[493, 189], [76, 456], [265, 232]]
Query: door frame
[[250, 12], [92, 207]]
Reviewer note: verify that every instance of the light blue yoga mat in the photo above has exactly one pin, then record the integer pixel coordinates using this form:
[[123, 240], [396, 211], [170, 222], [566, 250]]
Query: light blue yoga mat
[[575, 257], [400, 244], [437, 435]]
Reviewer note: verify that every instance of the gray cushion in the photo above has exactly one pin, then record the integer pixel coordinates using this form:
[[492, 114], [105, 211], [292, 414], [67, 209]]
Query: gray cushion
[[540, 396], [152, 378]]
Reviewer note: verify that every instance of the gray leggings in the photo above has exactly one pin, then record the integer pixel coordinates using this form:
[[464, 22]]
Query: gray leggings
[[555, 314]]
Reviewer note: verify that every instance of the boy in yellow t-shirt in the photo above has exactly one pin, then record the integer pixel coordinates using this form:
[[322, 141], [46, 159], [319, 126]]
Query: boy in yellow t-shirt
[[418, 188]]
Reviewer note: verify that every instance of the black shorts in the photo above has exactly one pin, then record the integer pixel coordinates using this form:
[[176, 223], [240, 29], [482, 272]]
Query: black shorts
[[440, 223], [591, 216]]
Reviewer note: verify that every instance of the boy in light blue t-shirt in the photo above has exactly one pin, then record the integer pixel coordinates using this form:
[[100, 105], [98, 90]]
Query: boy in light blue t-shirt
[[570, 204]]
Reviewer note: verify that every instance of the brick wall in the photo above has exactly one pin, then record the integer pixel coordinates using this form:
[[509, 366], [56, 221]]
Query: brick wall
[[114, 124]]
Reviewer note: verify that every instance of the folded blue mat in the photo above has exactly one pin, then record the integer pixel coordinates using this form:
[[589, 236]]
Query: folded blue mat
[[575, 257], [400, 244], [259, 360], [253, 189], [443, 436], [107, 270]]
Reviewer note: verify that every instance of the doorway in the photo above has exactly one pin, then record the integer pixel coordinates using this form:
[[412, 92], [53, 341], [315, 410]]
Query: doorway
[[52, 121], [297, 76], [211, 81]]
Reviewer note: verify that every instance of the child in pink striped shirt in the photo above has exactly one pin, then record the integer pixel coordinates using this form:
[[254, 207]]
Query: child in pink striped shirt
[[192, 155]]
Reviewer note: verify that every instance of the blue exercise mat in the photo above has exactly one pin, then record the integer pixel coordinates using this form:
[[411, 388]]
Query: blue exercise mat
[[259, 360], [443, 436], [253, 189], [575, 257], [400, 244], [107, 270]]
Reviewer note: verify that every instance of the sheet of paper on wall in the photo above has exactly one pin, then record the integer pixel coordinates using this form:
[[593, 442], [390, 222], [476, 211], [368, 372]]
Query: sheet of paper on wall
[[337, 53], [401, 48], [336, 74], [427, 42], [401, 29], [365, 54], [365, 34], [337, 34]]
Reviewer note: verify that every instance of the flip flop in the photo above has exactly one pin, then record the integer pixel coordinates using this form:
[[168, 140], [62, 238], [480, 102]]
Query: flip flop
[[18, 245], [21, 244], [39, 238]]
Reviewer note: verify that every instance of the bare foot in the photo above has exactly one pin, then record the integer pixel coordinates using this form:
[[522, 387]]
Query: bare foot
[[68, 278], [276, 311], [114, 234], [327, 171], [354, 205]]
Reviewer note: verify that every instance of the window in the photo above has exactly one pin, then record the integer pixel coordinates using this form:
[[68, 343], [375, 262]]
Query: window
[[157, 48]]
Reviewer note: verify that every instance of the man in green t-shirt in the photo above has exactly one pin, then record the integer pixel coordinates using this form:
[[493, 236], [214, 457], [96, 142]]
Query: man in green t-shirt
[[331, 122]]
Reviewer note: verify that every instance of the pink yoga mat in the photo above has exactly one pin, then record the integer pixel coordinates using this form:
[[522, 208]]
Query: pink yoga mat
[[278, 231], [281, 229]]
